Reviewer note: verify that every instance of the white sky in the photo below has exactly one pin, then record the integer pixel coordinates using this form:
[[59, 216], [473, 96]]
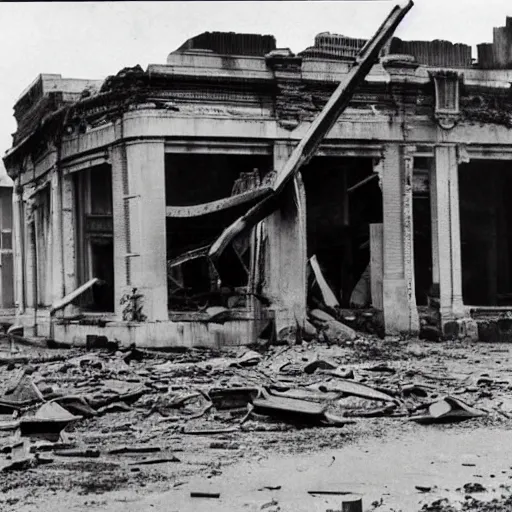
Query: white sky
[[96, 39]]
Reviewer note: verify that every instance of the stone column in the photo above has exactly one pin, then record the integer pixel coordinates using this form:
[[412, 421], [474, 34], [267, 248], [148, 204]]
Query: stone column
[[55, 282], [447, 244], [434, 231], [120, 221], [138, 184], [285, 280], [30, 256], [69, 238], [400, 311]]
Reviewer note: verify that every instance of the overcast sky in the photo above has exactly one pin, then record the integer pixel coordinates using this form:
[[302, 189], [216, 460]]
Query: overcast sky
[[96, 39]]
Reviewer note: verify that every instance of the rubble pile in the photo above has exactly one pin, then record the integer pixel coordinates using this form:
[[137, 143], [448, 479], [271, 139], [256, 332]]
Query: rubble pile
[[145, 414]]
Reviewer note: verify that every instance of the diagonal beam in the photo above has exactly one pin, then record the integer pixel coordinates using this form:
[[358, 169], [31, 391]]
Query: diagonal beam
[[320, 127]]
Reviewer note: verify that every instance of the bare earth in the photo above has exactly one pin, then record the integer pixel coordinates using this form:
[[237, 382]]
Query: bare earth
[[266, 464]]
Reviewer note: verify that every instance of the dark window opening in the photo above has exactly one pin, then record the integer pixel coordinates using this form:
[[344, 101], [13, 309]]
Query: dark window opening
[[486, 232], [422, 248], [343, 198], [193, 283], [422, 236], [95, 243]]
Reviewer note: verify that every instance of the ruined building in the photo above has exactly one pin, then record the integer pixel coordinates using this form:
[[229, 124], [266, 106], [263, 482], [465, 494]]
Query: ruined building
[[130, 180]]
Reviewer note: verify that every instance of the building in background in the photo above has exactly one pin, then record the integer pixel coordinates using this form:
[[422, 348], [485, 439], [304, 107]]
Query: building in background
[[130, 180], [7, 308]]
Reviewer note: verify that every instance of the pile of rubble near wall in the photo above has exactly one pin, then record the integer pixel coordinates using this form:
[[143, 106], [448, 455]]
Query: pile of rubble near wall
[[82, 404]]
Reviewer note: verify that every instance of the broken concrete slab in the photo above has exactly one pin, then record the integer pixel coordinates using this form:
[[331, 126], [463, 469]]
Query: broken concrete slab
[[311, 395], [23, 394], [86, 453], [134, 449], [332, 328], [349, 387], [232, 398], [320, 364], [448, 410], [248, 358], [162, 460], [48, 422], [290, 409]]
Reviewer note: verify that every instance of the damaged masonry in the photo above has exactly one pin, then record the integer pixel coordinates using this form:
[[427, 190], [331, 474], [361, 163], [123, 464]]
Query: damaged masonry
[[226, 267], [223, 195]]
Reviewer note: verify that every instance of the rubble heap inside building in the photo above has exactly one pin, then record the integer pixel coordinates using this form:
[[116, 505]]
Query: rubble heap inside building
[[402, 215]]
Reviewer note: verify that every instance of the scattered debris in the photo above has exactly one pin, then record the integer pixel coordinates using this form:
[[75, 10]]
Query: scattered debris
[[447, 410], [327, 294], [290, 409], [232, 398], [335, 331], [134, 449], [330, 493], [162, 460], [87, 453], [199, 494], [352, 503], [474, 487], [224, 445], [349, 387], [48, 422], [320, 364]]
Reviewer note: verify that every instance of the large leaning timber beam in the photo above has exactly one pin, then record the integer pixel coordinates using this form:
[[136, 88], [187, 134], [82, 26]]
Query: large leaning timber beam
[[321, 126]]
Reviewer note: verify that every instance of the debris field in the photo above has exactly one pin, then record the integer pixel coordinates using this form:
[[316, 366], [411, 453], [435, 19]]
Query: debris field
[[87, 422]]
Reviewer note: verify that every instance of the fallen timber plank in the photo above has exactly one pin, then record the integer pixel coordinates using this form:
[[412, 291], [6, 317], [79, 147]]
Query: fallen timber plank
[[70, 297], [201, 252], [349, 387], [320, 127], [182, 212], [327, 294]]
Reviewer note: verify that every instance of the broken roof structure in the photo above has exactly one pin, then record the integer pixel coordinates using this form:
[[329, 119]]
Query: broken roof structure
[[196, 191]]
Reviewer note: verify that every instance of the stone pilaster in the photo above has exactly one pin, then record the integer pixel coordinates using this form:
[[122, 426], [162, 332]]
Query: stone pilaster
[[55, 282], [445, 205], [69, 238], [400, 311], [18, 249], [434, 230], [285, 279], [138, 185]]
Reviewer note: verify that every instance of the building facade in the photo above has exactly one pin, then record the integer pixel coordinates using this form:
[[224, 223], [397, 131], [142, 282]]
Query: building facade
[[130, 180], [7, 309]]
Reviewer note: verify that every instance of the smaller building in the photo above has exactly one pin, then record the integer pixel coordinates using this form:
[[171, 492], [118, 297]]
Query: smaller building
[[7, 309]]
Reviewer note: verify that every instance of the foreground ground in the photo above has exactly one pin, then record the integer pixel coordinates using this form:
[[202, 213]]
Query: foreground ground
[[261, 463]]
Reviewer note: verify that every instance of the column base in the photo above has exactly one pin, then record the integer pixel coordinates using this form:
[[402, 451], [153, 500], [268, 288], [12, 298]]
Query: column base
[[400, 316], [461, 328]]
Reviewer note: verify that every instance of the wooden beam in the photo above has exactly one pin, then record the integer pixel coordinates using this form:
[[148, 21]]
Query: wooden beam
[[320, 127], [62, 303], [182, 212]]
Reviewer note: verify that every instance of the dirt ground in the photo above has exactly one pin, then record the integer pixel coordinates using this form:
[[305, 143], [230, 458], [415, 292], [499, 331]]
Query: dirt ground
[[261, 463]]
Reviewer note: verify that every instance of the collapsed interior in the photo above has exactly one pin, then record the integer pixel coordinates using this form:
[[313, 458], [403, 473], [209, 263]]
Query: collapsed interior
[[422, 237], [486, 232], [343, 198], [196, 179]]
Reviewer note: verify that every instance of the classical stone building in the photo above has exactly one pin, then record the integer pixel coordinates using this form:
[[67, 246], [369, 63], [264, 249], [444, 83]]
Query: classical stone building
[[130, 180]]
